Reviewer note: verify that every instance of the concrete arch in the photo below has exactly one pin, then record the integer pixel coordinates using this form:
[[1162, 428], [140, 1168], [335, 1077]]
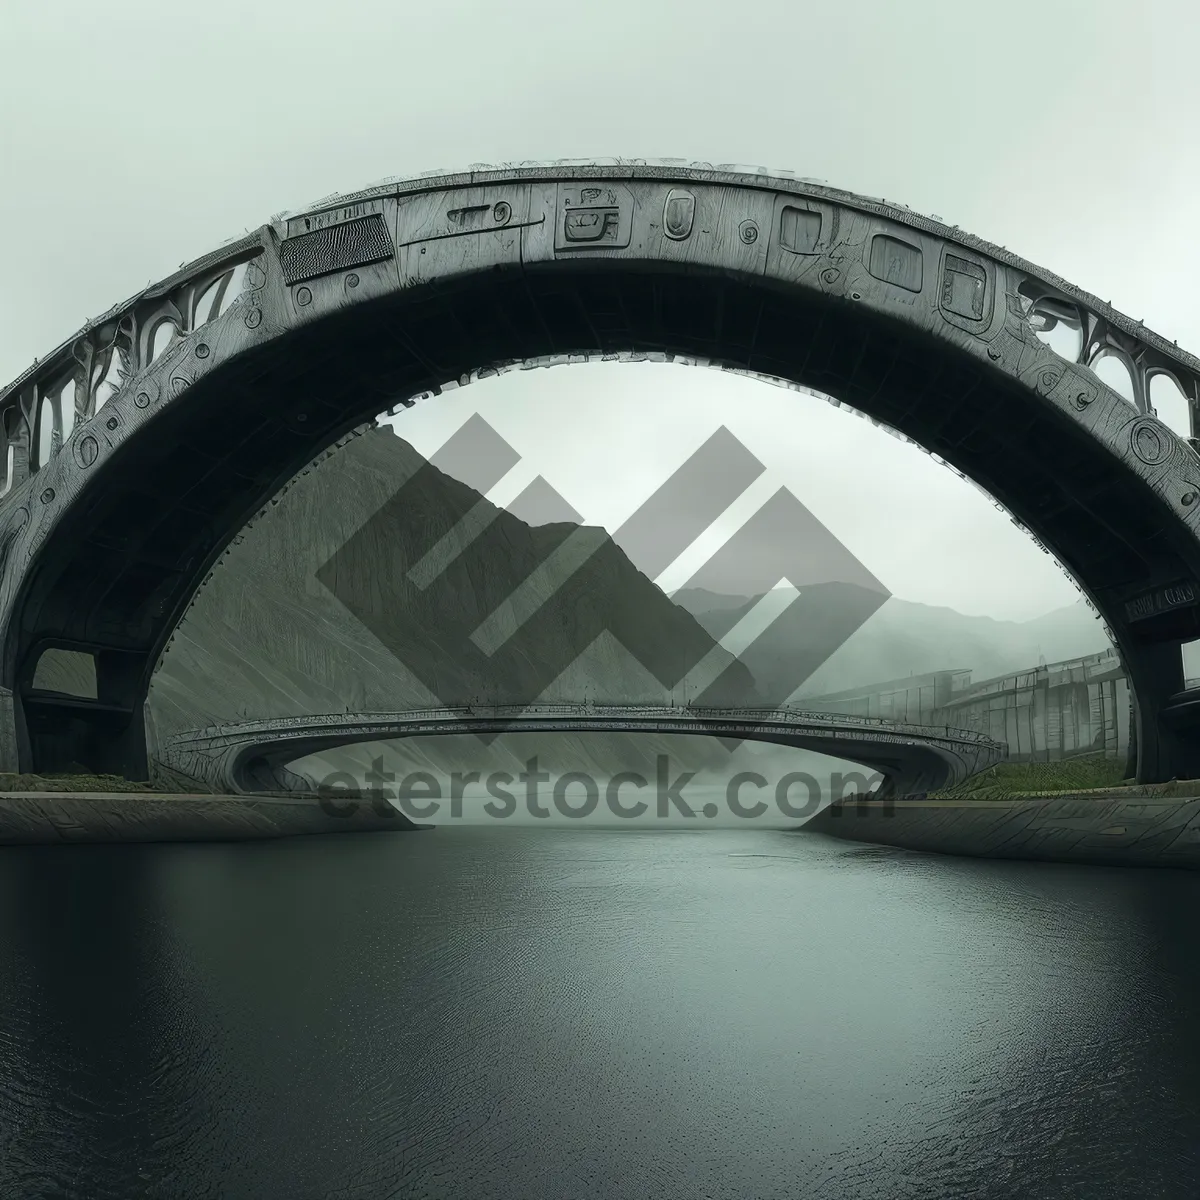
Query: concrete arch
[[365, 301]]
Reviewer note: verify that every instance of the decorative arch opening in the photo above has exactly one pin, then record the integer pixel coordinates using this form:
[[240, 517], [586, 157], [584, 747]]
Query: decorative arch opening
[[162, 334], [218, 296], [46, 439], [1059, 325], [1170, 405], [110, 371], [1115, 370]]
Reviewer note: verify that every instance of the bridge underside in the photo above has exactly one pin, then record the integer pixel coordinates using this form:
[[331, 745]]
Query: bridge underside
[[128, 554]]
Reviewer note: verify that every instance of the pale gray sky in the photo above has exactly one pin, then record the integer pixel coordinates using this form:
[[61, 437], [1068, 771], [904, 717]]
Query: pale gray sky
[[135, 135], [605, 435]]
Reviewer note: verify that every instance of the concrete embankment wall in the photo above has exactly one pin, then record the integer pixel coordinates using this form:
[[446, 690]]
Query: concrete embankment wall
[[54, 818], [1107, 828]]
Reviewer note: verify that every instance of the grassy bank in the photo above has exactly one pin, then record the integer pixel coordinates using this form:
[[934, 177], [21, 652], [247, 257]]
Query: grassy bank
[[70, 783], [1006, 780]]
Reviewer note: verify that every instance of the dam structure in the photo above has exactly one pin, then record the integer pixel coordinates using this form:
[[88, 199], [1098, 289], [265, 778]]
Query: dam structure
[[1045, 713]]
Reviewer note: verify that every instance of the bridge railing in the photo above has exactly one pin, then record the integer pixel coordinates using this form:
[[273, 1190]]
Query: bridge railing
[[48, 403]]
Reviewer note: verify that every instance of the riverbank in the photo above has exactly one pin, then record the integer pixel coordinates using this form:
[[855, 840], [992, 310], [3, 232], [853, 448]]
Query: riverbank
[[1156, 825], [1123, 826], [40, 816]]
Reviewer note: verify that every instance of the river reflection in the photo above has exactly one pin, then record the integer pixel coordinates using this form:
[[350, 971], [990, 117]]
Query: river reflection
[[511, 1011]]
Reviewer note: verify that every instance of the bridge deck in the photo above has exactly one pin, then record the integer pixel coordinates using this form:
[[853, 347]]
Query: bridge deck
[[254, 754]]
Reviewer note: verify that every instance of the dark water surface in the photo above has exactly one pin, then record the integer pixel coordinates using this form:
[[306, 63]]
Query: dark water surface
[[503, 1012]]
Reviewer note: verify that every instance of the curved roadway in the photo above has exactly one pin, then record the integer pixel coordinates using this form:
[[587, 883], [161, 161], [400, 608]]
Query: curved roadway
[[253, 755]]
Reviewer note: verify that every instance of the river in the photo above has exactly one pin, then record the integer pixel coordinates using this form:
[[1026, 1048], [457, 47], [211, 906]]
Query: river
[[512, 1010]]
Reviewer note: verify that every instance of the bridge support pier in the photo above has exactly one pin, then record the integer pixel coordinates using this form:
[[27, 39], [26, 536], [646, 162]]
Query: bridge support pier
[[10, 742], [1164, 740], [61, 736], [52, 732]]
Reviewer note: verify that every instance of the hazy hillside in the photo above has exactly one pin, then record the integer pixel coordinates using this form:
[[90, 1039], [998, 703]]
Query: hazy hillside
[[904, 638], [267, 637], [701, 600]]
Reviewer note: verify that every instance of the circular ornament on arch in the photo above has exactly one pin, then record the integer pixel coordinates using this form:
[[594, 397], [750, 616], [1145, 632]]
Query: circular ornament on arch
[[87, 450], [1150, 441], [1047, 379]]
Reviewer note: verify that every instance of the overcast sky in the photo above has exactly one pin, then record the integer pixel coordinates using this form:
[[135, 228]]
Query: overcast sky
[[135, 136]]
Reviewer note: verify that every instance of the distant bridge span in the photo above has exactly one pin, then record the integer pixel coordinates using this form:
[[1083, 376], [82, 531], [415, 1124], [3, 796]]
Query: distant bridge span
[[254, 755], [135, 452]]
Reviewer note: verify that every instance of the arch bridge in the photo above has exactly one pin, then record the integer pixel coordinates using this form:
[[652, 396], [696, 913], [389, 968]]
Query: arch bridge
[[135, 452], [255, 755]]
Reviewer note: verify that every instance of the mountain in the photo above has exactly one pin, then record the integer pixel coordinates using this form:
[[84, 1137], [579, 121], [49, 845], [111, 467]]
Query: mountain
[[700, 600], [313, 610], [901, 638], [1068, 632]]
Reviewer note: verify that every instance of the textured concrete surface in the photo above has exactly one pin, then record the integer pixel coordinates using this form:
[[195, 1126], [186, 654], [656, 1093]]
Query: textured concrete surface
[[42, 818], [1109, 828]]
